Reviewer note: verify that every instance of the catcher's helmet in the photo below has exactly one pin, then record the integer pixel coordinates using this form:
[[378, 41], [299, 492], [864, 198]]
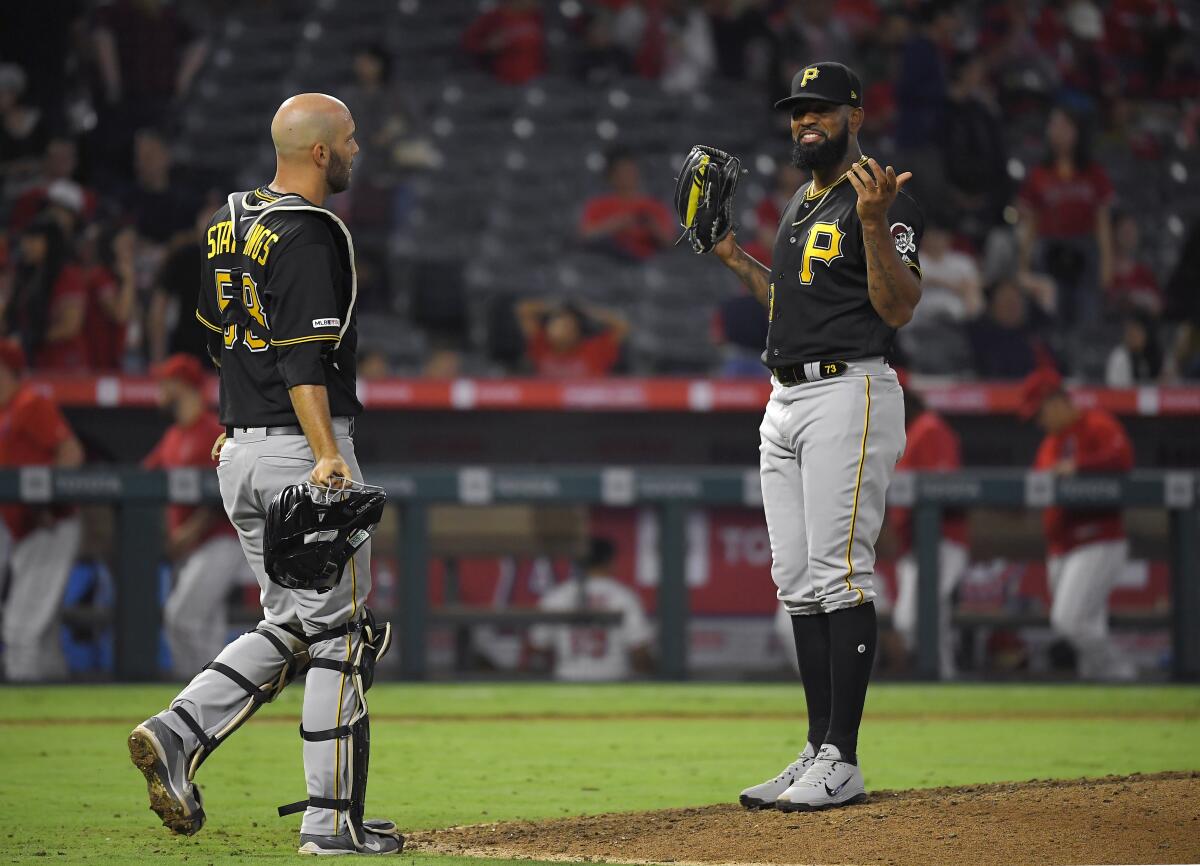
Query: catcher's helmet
[[312, 531]]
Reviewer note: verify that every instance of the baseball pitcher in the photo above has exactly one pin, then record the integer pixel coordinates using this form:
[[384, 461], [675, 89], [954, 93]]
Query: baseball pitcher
[[844, 277]]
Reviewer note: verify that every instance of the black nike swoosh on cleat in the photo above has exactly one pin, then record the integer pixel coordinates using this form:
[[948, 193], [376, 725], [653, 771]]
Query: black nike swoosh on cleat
[[835, 791]]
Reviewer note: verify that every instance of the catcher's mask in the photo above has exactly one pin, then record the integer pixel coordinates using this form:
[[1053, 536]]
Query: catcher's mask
[[312, 531]]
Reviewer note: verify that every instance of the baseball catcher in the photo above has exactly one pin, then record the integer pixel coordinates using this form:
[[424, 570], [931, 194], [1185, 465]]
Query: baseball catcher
[[278, 297]]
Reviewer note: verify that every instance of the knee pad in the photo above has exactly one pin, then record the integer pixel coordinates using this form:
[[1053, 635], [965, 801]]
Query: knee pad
[[372, 644], [294, 663]]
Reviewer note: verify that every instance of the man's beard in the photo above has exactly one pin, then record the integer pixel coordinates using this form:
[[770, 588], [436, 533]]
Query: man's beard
[[337, 174], [826, 153]]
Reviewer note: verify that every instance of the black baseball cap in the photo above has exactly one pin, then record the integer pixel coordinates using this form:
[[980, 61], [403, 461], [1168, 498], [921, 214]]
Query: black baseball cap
[[829, 82]]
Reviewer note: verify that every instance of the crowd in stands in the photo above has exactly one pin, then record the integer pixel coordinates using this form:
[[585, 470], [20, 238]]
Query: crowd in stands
[[1051, 144]]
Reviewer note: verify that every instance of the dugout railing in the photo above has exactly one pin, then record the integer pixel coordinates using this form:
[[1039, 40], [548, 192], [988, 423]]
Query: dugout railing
[[138, 498]]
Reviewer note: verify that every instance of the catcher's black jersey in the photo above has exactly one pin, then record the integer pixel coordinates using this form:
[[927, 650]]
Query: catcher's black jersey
[[291, 322], [819, 307]]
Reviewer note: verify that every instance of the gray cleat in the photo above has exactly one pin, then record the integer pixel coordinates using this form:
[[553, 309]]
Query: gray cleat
[[382, 837], [763, 796], [157, 751]]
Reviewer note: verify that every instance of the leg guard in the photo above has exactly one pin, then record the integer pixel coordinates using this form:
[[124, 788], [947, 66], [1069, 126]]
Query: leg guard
[[372, 643], [294, 663]]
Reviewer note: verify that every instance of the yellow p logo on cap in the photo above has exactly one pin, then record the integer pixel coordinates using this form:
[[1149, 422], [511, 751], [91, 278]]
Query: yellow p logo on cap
[[809, 74]]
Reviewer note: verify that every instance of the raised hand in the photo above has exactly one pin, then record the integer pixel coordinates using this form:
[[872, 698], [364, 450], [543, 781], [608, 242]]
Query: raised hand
[[877, 188]]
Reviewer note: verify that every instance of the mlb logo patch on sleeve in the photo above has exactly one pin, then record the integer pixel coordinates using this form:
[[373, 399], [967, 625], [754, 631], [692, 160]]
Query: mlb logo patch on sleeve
[[327, 323]]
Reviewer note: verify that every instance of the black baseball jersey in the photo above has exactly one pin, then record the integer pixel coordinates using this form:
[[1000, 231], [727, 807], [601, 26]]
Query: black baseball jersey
[[819, 308], [291, 321]]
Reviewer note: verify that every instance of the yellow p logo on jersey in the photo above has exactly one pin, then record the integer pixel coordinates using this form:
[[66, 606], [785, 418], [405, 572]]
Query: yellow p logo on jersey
[[824, 243], [810, 74]]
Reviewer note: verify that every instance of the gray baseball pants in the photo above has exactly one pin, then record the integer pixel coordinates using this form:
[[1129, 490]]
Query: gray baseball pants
[[253, 468], [826, 456]]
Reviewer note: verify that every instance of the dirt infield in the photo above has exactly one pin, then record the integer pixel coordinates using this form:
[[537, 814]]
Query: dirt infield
[[1134, 819]]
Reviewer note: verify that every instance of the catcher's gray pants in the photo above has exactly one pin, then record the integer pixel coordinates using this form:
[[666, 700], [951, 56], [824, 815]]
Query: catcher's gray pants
[[827, 453], [253, 468]]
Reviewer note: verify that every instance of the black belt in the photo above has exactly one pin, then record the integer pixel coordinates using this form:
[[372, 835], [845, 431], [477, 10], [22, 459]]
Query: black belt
[[813, 371], [285, 429]]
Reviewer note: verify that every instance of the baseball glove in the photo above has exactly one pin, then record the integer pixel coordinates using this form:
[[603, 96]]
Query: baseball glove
[[704, 196], [312, 532]]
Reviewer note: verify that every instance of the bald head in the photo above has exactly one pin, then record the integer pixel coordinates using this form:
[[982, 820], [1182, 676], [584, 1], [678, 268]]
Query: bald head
[[314, 138], [307, 119]]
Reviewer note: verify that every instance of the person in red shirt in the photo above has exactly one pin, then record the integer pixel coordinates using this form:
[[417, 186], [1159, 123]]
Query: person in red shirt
[[510, 40], [1065, 219], [39, 543], [932, 446], [48, 300], [626, 222], [557, 340], [1087, 548], [1134, 286], [201, 543], [111, 295]]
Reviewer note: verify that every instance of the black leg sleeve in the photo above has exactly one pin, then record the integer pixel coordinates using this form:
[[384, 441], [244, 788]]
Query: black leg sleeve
[[852, 634], [811, 634]]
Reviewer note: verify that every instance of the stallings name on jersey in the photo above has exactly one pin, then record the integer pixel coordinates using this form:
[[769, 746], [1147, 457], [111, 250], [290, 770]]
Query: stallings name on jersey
[[257, 244]]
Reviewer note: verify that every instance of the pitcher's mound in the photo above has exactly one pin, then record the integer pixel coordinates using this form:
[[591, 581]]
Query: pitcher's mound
[[1134, 819]]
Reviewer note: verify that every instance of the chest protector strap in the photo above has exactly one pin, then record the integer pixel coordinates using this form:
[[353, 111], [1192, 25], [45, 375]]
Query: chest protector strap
[[245, 212]]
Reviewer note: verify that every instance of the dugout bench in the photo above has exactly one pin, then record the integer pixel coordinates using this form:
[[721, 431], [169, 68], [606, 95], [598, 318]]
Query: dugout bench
[[138, 497]]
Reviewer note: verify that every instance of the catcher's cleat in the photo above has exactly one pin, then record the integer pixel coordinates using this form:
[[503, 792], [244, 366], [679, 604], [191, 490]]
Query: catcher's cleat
[[763, 796], [380, 837], [157, 751]]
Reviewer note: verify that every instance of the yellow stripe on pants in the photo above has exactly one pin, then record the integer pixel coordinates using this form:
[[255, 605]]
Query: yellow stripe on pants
[[862, 459]]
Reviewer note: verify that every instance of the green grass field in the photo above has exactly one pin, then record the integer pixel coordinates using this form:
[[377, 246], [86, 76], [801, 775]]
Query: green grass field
[[463, 754]]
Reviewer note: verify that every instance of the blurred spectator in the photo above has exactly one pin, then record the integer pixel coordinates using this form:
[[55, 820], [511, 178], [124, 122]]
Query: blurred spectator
[[742, 40], [171, 326], [922, 89], [43, 541], [569, 341], [1071, 36], [979, 184], [740, 333], [1133, 285], [47, 302], [1138, 358], [1004, 342], [590, 653], [147, 57], [950, 283], [598, 58], [626, 222], [443, 362], [1065, 223], [769, 211], [1141, 35], [1087, 548], [1183, 306], [373, 365], [54, 185], [111, 296], [510, 41], [688, 53], [807, 31], [158, 202], [23, 133], [932, 446], [387, 129], [206, 557]]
